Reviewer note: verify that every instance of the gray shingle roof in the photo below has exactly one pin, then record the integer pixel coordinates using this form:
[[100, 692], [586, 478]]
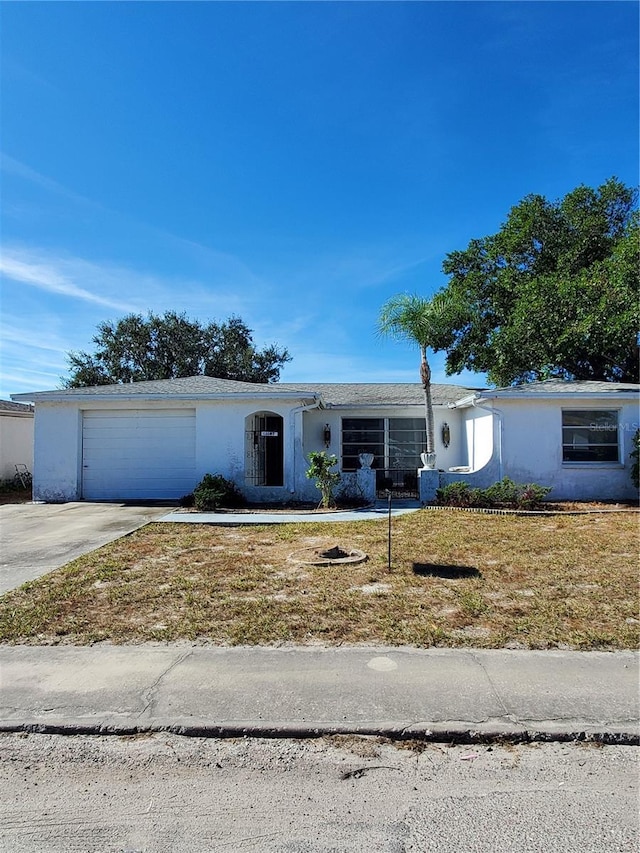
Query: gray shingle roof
[[561, 386], [15, 408], [332, 394], [197, 385], [352, 394], [382, 393]]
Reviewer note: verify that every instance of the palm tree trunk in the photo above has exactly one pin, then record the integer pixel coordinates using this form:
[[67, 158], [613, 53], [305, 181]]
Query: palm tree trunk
[[425, 376]]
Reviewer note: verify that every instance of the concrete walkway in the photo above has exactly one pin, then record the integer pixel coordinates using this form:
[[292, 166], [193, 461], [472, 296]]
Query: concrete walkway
[[459, 695], [379, 511]]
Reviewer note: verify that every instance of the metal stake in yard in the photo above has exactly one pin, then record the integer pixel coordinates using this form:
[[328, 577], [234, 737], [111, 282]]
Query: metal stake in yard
[[389, 536]]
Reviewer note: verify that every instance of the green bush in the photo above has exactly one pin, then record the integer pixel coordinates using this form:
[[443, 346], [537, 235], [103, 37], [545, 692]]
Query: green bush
[[455, 494], [503, 494], [215, 491], [532, 496], [320, 465]]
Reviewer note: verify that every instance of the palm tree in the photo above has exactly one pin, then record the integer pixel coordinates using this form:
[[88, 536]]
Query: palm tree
[[420, 321]]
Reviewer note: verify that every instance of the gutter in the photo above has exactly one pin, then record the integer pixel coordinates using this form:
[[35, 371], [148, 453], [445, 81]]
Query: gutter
[[317, 404], [56, 397], [355, 405]]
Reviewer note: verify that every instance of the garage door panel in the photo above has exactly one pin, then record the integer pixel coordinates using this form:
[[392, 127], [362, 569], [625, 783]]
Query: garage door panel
[[146, 454]]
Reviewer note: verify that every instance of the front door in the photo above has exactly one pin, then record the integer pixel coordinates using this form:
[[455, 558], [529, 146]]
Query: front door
[[266, 451]]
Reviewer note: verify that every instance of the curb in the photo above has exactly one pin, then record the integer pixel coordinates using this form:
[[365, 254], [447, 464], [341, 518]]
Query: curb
[[436, 733]]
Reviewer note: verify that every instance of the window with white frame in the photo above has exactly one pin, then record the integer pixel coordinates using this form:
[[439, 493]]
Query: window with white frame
[[590, 435], [394, 442]]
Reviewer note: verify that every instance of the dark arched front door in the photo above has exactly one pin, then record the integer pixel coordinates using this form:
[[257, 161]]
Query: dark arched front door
[[265, 450]]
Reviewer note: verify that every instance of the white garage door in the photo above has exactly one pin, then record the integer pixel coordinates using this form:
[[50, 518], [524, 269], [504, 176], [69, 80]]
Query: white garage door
[[138, 454]]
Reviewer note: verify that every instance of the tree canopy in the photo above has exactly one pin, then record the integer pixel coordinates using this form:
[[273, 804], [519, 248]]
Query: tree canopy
[[137, 348], [554, 294]]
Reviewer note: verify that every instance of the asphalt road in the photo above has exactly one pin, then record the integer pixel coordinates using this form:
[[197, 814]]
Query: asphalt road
[[170, 794]]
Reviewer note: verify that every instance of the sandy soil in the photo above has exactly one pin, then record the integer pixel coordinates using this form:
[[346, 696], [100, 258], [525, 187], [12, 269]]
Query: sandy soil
[[168, 794]]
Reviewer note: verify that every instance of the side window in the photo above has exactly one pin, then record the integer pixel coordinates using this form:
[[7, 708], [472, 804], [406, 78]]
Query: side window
[[590, 436]]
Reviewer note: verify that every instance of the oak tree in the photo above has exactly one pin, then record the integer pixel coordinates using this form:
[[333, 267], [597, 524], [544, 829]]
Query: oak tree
[[138, 348], [553, 294]]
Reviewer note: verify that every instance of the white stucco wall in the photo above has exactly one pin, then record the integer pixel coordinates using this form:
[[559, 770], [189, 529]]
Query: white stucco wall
[[57, 462], [532, 449], [455, 454], [479, 439], [525, 439], [522, 439], [220, 445], [16, 443]]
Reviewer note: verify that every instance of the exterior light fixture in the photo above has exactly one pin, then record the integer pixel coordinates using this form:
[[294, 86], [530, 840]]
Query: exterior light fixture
[[446, 435], [326, 435]]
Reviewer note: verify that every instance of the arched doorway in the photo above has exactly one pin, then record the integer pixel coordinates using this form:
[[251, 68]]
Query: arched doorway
[[264, 449]]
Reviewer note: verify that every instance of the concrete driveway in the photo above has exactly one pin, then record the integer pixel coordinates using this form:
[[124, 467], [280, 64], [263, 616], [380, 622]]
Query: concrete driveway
[[38, 538]]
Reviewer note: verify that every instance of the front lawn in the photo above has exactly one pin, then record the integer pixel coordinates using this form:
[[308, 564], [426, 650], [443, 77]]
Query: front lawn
[[457, 579]]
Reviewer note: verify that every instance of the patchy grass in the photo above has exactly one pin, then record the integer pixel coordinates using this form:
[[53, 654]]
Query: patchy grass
[[457, 580]]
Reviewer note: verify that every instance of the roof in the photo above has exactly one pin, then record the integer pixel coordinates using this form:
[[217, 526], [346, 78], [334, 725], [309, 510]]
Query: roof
[[561, 387], [9, 408], [382, 393], [328, 394], [207, 387], [185, 388]]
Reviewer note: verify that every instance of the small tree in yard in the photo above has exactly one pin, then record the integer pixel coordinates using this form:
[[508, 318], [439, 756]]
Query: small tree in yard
[[326, 479]]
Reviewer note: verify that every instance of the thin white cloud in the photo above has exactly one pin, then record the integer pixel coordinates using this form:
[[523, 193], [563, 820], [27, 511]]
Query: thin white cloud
[[222, 267], [14, 332], [214, 294], [14, 167], [46, 277]]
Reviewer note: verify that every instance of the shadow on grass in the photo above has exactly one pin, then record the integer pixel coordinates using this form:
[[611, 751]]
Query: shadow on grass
[[452, 573]]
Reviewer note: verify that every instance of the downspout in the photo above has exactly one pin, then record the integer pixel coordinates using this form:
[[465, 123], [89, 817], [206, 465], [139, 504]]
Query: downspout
[[292, 431], [500, 416]]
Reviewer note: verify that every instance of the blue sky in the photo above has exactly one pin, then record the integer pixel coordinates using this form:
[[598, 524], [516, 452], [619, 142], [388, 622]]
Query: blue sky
[[295, 164]]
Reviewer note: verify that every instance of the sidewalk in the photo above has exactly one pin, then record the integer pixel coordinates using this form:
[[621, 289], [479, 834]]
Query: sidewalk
[[379, 510], [461, 695]]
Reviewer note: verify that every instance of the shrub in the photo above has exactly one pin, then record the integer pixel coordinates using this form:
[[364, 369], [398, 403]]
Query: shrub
[[532, 496], [320, 466], [461, 494], [504, 493], [455, 494], [215, 491]]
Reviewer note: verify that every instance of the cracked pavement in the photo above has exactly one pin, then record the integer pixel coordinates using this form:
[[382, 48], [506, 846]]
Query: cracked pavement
[[441, 694]]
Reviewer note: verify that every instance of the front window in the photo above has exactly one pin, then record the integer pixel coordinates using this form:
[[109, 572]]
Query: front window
[[362, 435], [590, 436], [396, 443]]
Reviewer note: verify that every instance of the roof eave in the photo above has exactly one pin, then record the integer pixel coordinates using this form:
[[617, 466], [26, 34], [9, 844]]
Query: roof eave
[[554, 395], [381, 405], [57, 397]]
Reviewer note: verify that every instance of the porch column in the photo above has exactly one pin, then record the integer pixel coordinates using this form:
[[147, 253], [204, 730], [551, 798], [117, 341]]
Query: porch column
[[366, 484], [429, 482]]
